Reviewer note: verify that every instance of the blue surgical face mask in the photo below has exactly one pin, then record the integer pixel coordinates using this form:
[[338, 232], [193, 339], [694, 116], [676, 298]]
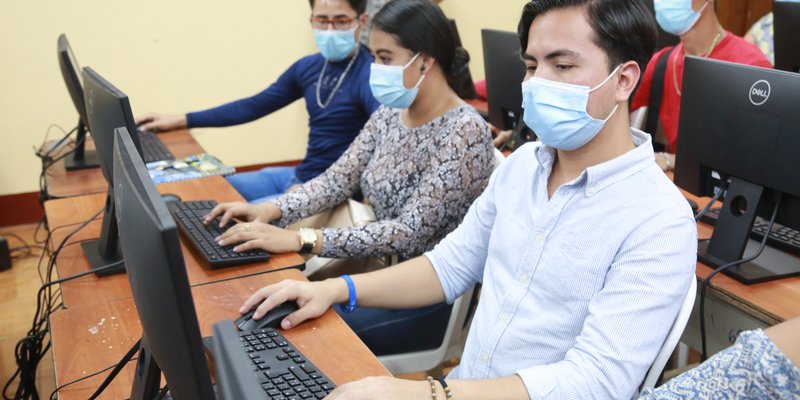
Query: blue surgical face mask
[[386, 82], [335, 45], [677, 16], [556, 112]]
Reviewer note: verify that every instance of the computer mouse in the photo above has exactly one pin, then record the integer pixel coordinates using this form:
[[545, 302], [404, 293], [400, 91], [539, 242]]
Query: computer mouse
[[170, 198], [693, 204], [272, 319]]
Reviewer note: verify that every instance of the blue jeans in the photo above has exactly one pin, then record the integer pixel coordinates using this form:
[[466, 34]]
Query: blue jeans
[[267, 183], [399, 331]]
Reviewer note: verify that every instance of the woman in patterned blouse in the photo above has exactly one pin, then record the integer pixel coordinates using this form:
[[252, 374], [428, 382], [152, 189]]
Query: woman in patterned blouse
[[760, 365], [420, 165]]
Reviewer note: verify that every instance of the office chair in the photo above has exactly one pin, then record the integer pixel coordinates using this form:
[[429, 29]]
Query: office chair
[[672, 339], [451, 347]]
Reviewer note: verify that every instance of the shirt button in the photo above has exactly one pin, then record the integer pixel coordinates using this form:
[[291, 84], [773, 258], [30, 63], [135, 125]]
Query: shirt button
[[503, 317], [523, 278], [591, 190], [539, 238], [485, 358]]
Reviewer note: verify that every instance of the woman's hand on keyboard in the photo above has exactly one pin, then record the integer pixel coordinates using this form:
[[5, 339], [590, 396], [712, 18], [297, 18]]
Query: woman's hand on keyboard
[[266, 213], [259, 235]]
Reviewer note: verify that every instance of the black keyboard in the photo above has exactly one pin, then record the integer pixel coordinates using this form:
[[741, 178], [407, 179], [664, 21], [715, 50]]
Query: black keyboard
[[153, 149], [282, 370], [189, 215], [781, 237]]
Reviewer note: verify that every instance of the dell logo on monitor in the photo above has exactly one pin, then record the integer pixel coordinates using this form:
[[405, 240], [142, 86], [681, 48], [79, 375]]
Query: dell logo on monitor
[[759, 92]]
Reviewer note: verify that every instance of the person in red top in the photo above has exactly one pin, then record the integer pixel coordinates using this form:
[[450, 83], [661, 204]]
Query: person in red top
[[701, 34]]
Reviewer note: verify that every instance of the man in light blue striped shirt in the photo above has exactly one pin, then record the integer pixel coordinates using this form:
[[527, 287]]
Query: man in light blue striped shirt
[[585, 249]]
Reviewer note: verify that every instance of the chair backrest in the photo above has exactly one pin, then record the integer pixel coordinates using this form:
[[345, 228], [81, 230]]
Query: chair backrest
[[451, 347], [672, 339]]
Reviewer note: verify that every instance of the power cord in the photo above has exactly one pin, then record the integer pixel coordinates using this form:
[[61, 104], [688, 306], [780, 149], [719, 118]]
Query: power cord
[[83, 378], [30, 350], [708, 206], [705, 283]]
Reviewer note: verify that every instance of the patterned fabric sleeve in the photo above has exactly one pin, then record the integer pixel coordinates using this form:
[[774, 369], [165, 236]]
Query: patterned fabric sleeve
[[753, 368], [460, 172], [336, 184]]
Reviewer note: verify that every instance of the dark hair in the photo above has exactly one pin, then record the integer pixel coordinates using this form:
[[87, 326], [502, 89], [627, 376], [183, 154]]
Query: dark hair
[[624, 29], [421, 26], [359, 5]]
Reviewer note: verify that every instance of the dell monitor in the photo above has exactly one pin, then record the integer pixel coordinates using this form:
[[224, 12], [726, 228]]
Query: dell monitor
[[786, 24], [505, 72], [739, 131], [171, 341], [81, 158], [107, 108]]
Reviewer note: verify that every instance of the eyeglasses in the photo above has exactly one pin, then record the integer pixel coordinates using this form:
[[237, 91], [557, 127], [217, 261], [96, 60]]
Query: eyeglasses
[[339, 23]]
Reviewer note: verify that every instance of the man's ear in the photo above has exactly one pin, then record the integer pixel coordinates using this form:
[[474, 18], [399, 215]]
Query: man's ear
[[629, 74]]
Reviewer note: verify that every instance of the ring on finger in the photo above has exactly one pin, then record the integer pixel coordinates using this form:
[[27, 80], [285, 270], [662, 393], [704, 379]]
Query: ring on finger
[[247, 228]]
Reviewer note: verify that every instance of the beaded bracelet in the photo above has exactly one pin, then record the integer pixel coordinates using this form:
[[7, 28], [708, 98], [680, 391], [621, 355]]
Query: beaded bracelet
[[447, 393]]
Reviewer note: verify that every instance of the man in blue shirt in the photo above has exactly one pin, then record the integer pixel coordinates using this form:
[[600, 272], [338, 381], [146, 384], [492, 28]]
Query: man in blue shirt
[[584, 247], [334, 84]]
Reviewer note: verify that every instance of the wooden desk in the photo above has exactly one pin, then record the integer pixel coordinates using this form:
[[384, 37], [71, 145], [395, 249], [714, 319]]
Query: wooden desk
[[63, 183], [73, 210], [92, 290], [89, 339], [733, 307]]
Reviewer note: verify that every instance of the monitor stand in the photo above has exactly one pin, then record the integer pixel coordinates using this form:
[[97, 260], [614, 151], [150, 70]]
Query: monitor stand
[[730, 241], [81, 159], [105, 250], [771, 264]]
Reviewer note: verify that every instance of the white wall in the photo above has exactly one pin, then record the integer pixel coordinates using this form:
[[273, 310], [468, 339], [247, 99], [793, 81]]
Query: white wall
[[173, 57]]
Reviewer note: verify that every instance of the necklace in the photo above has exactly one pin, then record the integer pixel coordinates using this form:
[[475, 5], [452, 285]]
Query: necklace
[[675, 60], [338, 84]]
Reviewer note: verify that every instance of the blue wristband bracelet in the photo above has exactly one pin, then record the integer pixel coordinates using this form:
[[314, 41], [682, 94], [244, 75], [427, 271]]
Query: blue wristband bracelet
[[351, 290]]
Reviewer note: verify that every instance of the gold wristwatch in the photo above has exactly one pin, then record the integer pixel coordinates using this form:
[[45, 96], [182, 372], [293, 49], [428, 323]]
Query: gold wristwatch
[[308, 239]]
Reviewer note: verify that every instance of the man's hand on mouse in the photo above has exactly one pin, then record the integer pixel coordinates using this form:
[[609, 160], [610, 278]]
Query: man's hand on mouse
[[313, 298]]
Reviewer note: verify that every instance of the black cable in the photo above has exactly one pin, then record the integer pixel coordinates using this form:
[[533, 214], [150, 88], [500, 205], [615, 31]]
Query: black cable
[[120, 365], [708, 206], [83, 378], [30, 350], [704, 284]]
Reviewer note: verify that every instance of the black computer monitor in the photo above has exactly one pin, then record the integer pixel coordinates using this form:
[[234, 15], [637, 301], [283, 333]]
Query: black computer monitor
[[70, 71], [235, 379], [107, 108], [464, 86], [171, 341], [786, 24], [505, 72], [739, 131]]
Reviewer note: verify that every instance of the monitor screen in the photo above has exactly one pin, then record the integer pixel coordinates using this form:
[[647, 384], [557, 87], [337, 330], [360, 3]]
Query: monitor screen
[[107, 109], [505, 72], [171, 341], [70, 71], [739, 132]]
